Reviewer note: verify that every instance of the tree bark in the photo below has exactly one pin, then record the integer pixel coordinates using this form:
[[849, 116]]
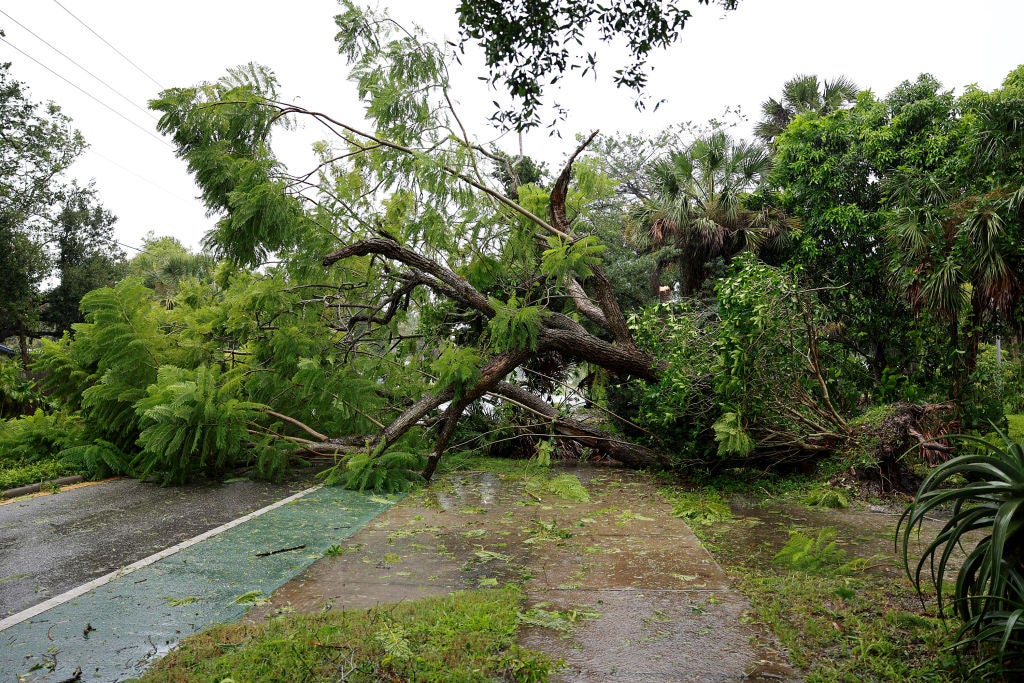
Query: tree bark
[[629, 454], [558, 333], [493, 373]]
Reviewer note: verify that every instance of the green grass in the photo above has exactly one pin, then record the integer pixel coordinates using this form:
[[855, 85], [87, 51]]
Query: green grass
[[463, 637], [1016, 427], [837, 618]]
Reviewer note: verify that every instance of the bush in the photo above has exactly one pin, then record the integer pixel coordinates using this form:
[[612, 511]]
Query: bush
[[993, 386], [986, 492], [36, 437], [16, 391]]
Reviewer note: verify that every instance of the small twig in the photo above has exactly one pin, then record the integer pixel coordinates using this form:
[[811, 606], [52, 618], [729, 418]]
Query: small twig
[[76, 675], [280, 550]]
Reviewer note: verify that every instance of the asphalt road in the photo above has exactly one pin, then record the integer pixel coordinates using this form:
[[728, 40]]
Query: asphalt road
[[51, 544]]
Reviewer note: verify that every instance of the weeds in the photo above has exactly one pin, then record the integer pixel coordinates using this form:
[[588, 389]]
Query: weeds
[[464, 637], [835, 620]]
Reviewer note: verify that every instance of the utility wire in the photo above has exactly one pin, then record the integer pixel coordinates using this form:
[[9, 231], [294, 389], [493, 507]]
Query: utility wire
[[73, 61], [143, 178], [90, 96], [123, 56]]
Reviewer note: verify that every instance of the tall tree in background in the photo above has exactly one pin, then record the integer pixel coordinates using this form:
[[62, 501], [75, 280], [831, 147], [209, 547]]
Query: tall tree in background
[[958, 207], [800, 95], [697, 208], [37, 144], [528, 46], [47, 226], [84, 257]]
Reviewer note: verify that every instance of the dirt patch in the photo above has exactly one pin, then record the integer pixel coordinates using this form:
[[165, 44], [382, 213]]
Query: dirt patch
[[617, 587]]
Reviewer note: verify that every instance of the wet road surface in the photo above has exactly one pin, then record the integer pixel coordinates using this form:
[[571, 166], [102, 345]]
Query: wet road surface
[[50, 544], [116, 630]]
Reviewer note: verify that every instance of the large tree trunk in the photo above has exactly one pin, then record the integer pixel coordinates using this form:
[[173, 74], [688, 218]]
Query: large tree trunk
[[629, 454]]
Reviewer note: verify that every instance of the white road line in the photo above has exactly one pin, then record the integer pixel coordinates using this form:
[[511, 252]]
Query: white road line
[[21, 616]]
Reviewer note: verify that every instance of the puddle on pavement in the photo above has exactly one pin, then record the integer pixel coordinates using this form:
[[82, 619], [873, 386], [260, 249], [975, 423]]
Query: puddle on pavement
[[867, 534], [664, 608]]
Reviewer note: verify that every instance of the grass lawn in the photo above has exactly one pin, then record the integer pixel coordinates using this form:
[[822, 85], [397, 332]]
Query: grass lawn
[[463, 637], [840, 611]]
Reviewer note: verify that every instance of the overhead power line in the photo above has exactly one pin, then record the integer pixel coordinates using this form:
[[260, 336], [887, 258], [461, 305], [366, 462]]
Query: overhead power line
[[89, 95], [144, 179], [123, 56], [75, 62]]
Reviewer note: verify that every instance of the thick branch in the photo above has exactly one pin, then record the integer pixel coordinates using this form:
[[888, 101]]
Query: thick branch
[[614, 320], [494, 372], [561, 190], [610, 307], [625, 452], [627, 360], [584, 304], [458, 286]]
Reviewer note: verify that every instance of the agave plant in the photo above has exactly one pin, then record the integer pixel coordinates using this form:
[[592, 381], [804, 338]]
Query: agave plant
[[988, 595]]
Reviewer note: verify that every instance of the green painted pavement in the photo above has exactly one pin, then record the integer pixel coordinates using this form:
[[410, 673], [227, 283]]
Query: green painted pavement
[[115, 631]]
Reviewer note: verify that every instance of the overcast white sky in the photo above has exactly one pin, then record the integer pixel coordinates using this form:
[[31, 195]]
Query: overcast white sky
[[724, 59]]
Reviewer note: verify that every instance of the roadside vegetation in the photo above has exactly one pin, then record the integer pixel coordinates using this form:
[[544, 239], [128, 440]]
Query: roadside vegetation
[[831, 299], [464, 637]]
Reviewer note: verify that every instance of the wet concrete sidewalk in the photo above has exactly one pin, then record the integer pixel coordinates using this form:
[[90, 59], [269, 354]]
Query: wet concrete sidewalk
[[617, 587], [115, 630]]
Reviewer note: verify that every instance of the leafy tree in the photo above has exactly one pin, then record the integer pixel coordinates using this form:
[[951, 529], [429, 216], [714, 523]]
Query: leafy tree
[[803, 94], [37, 144], [530, 45], [48, 226], [512, 172], [164, 263], [827, 178], [85, 257], [957, 218], [434, 280]]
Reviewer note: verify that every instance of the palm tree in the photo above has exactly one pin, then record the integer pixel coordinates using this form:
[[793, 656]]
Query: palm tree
[[957, 255], [697, 215], [800, 95]]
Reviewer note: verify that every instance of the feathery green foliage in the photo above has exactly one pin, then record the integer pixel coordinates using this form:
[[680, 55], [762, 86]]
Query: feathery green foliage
[[37, 436], [569, 487], [391, 472], [699, 507], [811, 554], [731, 438], [457, 368], [191, 424], [578, 257], [513, 326], [16, 390]]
